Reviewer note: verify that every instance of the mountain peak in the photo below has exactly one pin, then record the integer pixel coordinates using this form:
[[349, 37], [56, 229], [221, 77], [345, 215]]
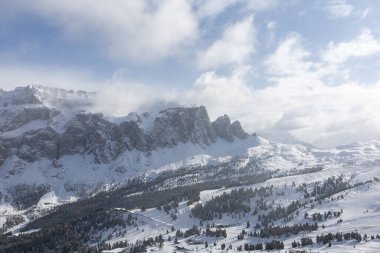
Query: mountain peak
[[224, 129], [36, 94], [49, 117]]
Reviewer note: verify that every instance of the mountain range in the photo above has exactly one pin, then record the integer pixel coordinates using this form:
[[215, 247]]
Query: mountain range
[[56, 148]]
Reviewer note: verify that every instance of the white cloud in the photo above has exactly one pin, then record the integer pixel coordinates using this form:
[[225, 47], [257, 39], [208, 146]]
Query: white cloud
[[291, 59], [120, 97], [212, 8], [364, 45], [236, 46], [138, 30], [364, 14], [313, 112], [338, 8], [221, 93], [272, 25], [12, 76], [259, 5], [298, 101], [310, 110], [115, 96], [324, 115], [301, 103], [271, 33]]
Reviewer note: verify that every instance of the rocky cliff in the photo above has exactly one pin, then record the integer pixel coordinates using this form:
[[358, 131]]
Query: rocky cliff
[[43, 122]]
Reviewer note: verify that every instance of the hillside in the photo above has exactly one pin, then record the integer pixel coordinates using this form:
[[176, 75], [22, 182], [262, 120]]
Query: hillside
[[72, 179]]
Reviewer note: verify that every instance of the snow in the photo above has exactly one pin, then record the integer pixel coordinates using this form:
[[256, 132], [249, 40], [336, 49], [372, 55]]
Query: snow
[[52, 97], [114, 250], [361, 207], [358, 162], [49, 199], [82, 170], [361, 212], [3, 219], [26, 232], [32, 125]]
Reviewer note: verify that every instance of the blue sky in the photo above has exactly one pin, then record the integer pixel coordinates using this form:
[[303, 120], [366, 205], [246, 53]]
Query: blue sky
[[303, 68]]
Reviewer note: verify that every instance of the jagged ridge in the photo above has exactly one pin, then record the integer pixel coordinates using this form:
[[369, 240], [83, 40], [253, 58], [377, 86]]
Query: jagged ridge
[[29, 127]]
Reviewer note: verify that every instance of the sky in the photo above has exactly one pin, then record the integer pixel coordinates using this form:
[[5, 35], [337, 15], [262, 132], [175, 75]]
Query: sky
[[289, 70]]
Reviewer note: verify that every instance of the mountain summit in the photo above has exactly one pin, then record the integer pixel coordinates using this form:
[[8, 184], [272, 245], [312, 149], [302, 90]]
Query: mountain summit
[[167, 169], [37, 122]]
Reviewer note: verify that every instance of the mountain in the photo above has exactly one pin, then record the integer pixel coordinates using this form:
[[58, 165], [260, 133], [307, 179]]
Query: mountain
[[73, 179], [49, 135], [35, 124]]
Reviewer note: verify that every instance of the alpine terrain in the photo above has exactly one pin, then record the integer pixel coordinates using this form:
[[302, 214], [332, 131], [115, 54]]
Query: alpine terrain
[[173, 180]]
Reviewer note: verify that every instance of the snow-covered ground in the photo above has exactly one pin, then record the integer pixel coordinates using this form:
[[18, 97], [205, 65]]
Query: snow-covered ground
[[359, 163], [360, 205]]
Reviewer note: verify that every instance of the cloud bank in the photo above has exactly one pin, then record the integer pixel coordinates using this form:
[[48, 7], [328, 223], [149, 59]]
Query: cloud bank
[[299, 101], [272, 81], [142, 31], [235, 46], [319, 114], [338, 8]]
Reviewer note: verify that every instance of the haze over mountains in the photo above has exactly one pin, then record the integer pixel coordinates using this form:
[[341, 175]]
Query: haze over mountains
[[55, 149], [51, 115], [189, 126], [56, 134], [48, 127]]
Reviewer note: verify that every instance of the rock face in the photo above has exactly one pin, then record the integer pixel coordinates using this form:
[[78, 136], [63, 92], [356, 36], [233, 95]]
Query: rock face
[[222, 126], [32, 125], [224, 129], [238, 131], [183, 125]]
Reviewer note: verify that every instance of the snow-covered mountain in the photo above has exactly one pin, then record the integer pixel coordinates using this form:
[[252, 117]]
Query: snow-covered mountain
[[55, 149], [48, 136], [38, 122]]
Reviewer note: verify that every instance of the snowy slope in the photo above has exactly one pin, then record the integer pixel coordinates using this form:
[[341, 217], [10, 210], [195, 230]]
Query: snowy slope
[[42, 150], [360, 205], [81, 170], [51, 137]]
